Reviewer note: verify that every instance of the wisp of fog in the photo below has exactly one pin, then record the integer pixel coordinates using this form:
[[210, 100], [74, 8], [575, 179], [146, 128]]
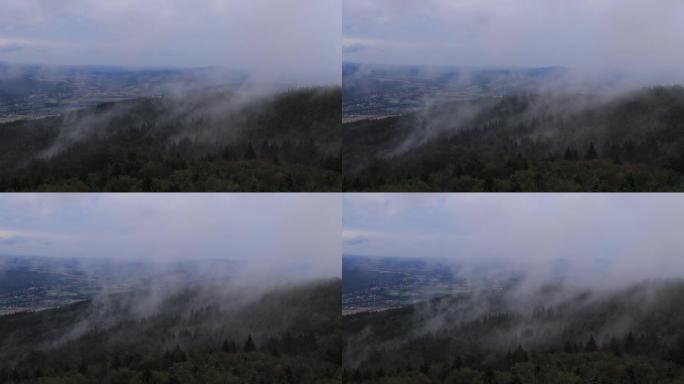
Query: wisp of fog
[[272, 236], [590, 240]]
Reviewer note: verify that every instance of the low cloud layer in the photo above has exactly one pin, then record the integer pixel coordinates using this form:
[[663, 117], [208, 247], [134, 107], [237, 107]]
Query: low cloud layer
[[594, 239], [284, 235], [635, 37], [287, 41]]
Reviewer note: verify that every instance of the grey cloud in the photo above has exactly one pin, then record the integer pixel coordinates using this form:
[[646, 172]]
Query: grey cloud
[[10, 48], [356, 240], [274, 235], [286, 41], [593, 239], [353, 48], [639, 37], [11, 240]]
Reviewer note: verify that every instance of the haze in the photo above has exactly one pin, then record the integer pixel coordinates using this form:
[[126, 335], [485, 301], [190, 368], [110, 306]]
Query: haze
[[637, 38], [288, 235], [295, 41], [599, 239]]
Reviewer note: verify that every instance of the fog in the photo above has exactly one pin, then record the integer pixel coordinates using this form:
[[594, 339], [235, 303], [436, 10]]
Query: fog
[[283, 237], [242, 261], [212, 118], [292, 41], [562, 106], [637, 39], [586, 240], [578, 265]]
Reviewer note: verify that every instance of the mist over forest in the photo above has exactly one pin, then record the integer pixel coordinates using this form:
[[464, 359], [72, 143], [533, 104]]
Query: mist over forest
[[120, 97], [512, 288], [142, 288], [208, 140], [437, 100], [201, 333], [505, 131]]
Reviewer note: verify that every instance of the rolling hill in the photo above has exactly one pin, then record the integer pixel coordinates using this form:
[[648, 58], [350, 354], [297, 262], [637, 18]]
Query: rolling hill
[[205, 140], [546, 143], [182, 334]]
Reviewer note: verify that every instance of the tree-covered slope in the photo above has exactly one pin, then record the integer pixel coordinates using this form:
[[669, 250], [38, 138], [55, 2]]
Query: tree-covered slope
[[208, 140], [631, 335], [195, 335], [631, 142]]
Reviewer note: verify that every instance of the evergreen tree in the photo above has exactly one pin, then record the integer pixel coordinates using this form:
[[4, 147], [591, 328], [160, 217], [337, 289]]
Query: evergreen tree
[[519, 355], [457, 363], [178, 355], [250, 154], [425, 368], [614, 347], [591, 345], [249, 345], [630, 343], [591, 153], [569, 154], [228, 154], [488, 376], [568, 347], [228, 346]]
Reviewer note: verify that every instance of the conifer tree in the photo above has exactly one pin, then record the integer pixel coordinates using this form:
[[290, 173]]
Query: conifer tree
[[591, 345], [591, 153], [249, 345]]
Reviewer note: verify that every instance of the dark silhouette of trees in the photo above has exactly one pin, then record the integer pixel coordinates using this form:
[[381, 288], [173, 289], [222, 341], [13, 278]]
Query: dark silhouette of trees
[[614, 347], [630, 343], [570, 154], [250, 154], [266, 141], [228, 346], [591, 345], [129, 350], [591, 153], [249, 345], [576, 155]]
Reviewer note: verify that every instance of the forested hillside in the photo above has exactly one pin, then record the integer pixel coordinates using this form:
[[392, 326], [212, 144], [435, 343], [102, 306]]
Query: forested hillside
[[210, 140], [555, 142], [630, 335], [196, 335]]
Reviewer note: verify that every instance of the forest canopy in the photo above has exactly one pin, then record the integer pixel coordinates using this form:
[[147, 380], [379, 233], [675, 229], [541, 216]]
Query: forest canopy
[[556, 336], [194, 335], [209, 140], [547, 142]]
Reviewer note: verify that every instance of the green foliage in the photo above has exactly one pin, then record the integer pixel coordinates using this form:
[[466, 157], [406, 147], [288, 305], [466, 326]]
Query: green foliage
[[290, 336], [524, 143], [630, 336], [206, 142]]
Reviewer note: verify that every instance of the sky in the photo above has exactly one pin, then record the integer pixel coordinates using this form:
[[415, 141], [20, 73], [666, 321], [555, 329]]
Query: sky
[[635, 36], [286, 40], [598, 237], [280, 233]]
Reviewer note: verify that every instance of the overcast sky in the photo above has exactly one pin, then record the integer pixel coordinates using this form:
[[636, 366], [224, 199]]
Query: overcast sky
[[285, 39], [616, 236], [299, 233], [641, 36]]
